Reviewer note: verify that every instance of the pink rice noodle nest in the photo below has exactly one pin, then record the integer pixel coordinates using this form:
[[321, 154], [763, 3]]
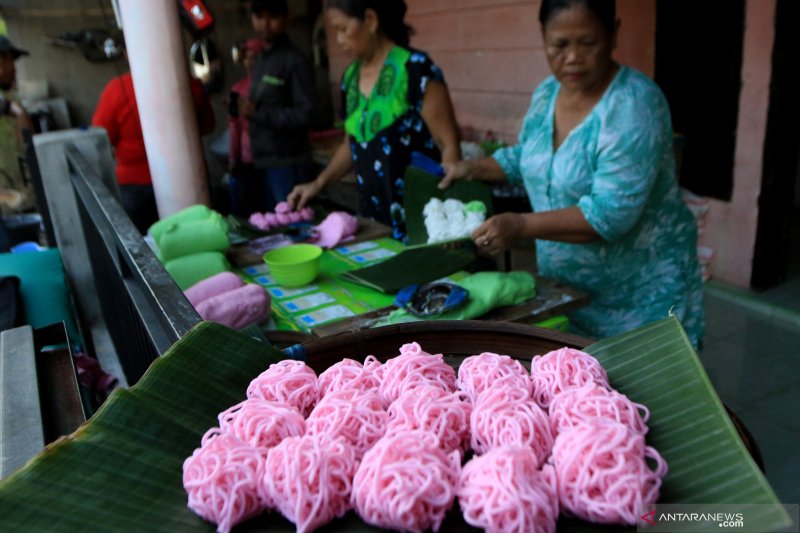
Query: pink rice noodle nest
[[504, 491], [509, 417], [261, 424], [309, 479], [356, 416], [583, 404], [430, 408], [603, 472], [487, 370], [348, 374], [406, 482], [222, 479], [563, 369], [414, 367], [289, 382]]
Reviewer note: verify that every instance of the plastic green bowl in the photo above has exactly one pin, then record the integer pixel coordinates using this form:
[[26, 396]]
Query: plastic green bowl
[[295, 265]]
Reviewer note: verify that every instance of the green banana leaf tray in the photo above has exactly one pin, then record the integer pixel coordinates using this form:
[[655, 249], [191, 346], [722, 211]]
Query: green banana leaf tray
[[121, 471]]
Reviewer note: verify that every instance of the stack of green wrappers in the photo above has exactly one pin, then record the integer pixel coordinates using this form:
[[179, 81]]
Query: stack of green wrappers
[[192, 244]]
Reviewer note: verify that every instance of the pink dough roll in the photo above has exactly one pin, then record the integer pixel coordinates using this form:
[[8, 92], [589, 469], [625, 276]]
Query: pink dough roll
[[309, 479], [238, 308], [271, 220], [308, 213], [222, 479], [504, 491], [406, 482], [509, 417], [430, 408], [414, 367], [481, 372], [262, 424], [213, 286], [348, 374], [289, 382], [259, 220], [563, 369], [337, 227], [582, 405], [603, 473], [354, 415]]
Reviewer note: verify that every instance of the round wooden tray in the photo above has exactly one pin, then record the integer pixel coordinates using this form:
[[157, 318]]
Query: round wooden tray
[[459, 338]]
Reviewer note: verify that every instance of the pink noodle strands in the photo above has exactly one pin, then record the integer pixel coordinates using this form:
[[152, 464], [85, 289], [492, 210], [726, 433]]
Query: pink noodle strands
[[357, 416], [414, 367], [509, 417], [581, 405], [428, 407], [262, 424], [504, 491], [603, 474], [563, 369], [290, 382], [348, 374], [487, 370], [222, 479], [406, 482], [309, 479]]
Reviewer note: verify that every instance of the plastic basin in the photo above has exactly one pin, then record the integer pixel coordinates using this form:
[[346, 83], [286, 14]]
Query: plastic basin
[[295, 265]]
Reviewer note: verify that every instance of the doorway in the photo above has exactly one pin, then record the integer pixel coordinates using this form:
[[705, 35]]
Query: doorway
[[777, 250], [698, 66]]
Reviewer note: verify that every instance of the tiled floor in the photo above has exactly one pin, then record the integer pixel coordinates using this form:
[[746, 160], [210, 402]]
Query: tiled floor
[[753, 359]]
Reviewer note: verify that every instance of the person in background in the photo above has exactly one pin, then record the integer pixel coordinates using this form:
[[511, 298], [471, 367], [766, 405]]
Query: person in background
[[118, 113], [240, 155], [15, 195], [279, 107], [394, 102], [595, 156]]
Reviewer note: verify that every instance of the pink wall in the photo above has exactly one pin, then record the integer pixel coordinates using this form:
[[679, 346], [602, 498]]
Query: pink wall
[[492, 57], [731, 226]]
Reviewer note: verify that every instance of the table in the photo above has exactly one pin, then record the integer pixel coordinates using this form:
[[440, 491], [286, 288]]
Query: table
[[552, 299], [368, 306]]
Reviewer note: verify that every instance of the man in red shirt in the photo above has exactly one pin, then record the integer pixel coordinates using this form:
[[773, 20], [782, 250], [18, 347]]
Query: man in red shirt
[[118, 113]]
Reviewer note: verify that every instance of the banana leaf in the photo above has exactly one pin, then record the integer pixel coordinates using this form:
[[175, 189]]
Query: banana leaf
[[412, 266], [122, 470]]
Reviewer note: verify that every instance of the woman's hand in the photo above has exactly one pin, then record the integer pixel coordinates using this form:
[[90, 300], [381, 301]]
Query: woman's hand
[[302, 194], [459, 170], [499, 233]]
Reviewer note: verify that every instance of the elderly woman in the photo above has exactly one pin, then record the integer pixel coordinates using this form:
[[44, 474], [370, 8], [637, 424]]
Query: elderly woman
[[595, 156], [394, 102]]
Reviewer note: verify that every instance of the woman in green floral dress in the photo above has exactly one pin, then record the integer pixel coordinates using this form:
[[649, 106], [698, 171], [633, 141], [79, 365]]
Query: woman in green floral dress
[[595, 156], [394, 102]]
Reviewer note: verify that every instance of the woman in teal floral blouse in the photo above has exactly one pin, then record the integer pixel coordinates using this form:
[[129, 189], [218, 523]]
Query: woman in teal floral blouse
[[394, 101], [595, 156]]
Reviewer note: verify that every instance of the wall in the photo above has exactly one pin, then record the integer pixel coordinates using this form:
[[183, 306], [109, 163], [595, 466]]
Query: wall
[[492, 55], [64, 70], [69, 75], [731, 226]]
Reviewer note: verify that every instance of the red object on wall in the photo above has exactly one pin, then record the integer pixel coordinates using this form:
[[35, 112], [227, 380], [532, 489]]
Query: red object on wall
[[197, 16]]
